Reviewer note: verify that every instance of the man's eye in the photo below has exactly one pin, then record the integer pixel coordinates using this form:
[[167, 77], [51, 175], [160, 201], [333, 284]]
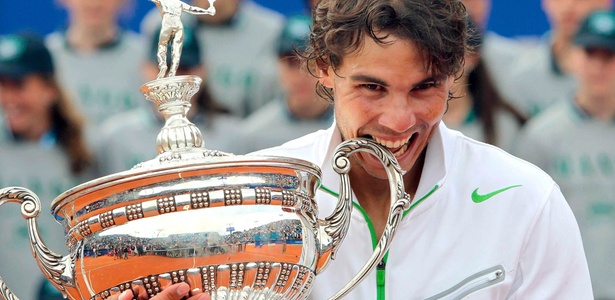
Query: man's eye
[[372, 87], [426, 85]]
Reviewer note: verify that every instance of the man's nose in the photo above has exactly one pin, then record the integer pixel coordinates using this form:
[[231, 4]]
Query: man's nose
[[398, 114]]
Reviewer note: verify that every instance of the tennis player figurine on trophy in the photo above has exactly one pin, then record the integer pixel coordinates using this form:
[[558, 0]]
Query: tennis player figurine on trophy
[[172, 28], [235, 227]]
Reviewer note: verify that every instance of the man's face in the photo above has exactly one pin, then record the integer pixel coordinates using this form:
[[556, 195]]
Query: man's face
[[94, 13], [384, 92], [26, 102], [479, 11], [565, 16], [597, 73]]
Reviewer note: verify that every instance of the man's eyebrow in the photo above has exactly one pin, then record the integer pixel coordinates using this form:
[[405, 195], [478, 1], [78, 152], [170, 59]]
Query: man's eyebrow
[[367, 78], [371, 79], [430, 79]]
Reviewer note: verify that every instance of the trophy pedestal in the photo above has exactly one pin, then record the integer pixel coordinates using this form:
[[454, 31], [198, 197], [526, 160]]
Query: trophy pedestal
[[179, 139]]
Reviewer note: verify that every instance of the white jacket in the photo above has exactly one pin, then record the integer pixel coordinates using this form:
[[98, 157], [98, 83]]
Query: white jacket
[[520, 242]]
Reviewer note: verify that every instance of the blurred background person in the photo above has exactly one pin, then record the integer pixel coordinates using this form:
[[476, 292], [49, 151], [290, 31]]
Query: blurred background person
[[498, 53], [574, 141], [543, 74], [97, 60], [238, 45], [129, 138], [299, 110], [43, 148], [477, 109]]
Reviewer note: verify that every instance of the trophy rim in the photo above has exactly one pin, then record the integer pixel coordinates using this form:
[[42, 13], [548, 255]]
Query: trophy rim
[[146, 87], [181, 166]]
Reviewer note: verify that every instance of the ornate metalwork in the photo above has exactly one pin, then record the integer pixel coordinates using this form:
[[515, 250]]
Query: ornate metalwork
[[289, 282], [172, 29], [134, 211], [199, 199], [400, 201], [166, 205], [263, 196], [56, 268], [106, 219], [172, 97], [5, 292], [233, 197], [84, 228]]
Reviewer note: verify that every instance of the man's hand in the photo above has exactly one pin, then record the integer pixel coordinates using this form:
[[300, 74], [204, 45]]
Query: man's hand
[[172, 292]]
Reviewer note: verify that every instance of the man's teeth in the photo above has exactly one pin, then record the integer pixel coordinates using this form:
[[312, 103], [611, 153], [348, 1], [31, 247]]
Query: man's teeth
[[395, 145], [401, 151], [392, 144]]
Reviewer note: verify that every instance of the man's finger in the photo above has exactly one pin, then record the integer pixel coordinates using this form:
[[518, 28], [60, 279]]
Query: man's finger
[[173, 292], [199, 296], [126, 295]]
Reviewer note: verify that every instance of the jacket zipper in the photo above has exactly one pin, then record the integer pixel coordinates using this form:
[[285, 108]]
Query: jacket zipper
[[381, 269], [473, 283]]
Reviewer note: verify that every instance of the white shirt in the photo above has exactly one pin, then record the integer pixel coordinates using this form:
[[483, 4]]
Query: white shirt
[[521, 243]]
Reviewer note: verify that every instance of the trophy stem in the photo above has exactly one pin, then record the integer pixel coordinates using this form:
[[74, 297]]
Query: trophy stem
[[172, 97]]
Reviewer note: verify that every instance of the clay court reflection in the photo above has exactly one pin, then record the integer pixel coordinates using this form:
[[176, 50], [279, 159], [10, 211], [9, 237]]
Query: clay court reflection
[[218, 238]]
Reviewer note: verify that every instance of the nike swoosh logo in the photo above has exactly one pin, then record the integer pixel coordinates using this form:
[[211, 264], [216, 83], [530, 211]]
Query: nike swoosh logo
[[478, 198]]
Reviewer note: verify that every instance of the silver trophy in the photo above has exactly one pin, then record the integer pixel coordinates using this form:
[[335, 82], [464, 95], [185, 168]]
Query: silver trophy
[[236, 227]]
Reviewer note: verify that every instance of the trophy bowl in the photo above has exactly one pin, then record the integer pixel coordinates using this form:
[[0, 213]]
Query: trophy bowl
[[236, 227]]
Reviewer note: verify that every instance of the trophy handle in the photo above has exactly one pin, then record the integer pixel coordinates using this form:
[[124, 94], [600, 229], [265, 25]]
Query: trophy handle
[[54, 266], [337, 224], [5, 292]]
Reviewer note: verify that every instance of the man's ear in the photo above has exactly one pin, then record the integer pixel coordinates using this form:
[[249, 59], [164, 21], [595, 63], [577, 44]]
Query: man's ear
[[451, 82], [325, 76]]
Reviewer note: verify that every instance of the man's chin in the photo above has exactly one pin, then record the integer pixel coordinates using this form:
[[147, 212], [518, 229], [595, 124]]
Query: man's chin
[[374, 168]]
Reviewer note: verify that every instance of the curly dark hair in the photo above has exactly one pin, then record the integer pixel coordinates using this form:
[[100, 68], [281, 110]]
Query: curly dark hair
[[437, 27]]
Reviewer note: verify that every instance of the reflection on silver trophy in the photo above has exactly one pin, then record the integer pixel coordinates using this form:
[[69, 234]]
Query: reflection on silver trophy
[[236, 227]]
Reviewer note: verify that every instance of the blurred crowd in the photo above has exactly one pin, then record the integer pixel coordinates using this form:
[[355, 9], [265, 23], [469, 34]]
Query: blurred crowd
[[71, 110]]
